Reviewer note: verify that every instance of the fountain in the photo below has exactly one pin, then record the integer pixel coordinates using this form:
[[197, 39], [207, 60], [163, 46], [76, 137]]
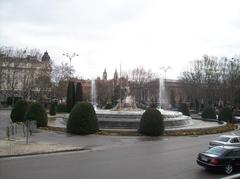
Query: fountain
[[127, 116], [93, 94], [162, 96]]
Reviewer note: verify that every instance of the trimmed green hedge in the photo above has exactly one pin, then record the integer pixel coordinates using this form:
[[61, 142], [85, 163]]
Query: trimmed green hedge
[[19, 110], [36, 112], [82, 119], [151, 123]]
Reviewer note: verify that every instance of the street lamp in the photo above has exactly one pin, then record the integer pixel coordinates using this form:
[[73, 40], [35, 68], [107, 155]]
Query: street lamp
[[70, 56], [165, 69]]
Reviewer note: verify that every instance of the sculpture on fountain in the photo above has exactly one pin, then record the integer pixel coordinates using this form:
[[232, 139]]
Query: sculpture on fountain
[[128, 102]]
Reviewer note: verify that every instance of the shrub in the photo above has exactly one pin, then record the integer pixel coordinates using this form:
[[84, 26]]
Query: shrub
[[183, 108], [36, 112], [79, 92], [52, 111], [225, 114], [70, 95], [19, 110], [151, 123], [209, 113], [62, 107], [82, 119]]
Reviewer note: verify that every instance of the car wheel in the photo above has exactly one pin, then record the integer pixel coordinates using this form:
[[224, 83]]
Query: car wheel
[[228, 169]]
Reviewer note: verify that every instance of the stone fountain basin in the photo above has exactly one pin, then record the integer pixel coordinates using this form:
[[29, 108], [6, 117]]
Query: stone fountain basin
[[131, 119], [109, 119]]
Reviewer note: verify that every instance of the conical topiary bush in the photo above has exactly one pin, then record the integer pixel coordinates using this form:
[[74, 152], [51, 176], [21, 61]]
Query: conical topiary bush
[[79, 92], [70, 95]]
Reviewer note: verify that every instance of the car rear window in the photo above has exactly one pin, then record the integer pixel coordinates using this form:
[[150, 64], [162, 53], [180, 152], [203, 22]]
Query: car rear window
[[216, 151], [223, 139]]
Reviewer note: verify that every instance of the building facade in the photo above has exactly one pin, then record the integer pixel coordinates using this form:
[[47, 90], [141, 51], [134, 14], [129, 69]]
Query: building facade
[[25, 77]]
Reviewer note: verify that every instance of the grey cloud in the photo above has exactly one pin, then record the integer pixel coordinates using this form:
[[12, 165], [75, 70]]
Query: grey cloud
[[88, 13]]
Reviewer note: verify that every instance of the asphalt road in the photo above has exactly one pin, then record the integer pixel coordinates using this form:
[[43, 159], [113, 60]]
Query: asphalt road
[[167, 157], [111, 157]]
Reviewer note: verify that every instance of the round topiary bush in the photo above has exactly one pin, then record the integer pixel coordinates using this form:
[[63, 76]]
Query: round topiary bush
[[225, 114], [52, 111], [151, 123], [82, 119], [183, 108], [19, 110], [209, 113], [36, 112]]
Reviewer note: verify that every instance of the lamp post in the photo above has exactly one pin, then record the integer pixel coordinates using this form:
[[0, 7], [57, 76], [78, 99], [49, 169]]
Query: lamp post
[[165, 69], [70, 57]]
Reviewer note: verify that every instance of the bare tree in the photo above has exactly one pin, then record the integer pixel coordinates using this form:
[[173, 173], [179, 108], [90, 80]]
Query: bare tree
[[141, 83], [211, 79], [59, 78], [61, 72]]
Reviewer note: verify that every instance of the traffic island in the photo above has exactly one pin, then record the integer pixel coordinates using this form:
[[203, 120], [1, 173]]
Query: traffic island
[[198, 127]]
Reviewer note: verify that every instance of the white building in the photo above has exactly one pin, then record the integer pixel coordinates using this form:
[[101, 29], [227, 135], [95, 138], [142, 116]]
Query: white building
[[24, 77]]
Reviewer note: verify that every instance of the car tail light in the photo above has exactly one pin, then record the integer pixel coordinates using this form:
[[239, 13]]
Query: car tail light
[[214, 161]]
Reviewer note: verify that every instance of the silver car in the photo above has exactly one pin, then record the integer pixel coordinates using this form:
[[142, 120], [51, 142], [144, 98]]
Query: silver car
[[226, 140]]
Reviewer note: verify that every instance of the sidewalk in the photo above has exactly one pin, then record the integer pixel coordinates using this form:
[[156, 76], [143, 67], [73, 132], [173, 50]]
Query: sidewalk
[[45, 142], [10, 148]]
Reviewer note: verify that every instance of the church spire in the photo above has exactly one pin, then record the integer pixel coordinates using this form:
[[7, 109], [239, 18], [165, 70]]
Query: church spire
[[104, 74]]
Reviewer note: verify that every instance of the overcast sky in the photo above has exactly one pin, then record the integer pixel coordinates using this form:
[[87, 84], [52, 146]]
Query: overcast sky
[[107, 33]]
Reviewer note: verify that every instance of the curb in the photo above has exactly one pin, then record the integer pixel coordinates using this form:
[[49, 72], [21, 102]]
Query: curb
[[177, 132], [42, 153], [202, 131]]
